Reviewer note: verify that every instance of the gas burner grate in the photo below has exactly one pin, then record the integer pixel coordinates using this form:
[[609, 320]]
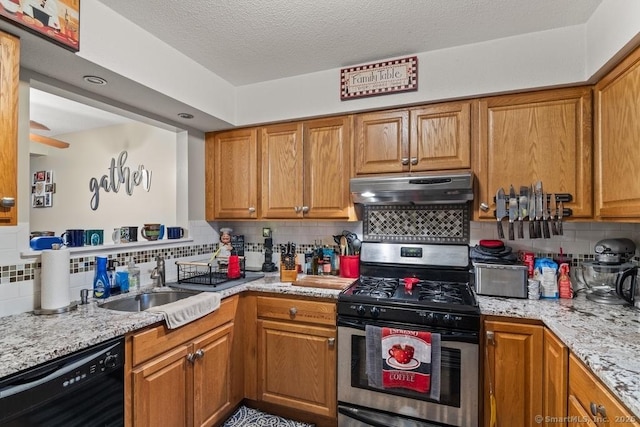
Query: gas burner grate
[[377, 287], [440, 292]]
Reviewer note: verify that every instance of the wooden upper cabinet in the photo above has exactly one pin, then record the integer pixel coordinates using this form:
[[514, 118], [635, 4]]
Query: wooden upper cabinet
[[539, 136], [381, 142], [282, 163], [617, 132], [9, 71], [231, 175], [327, 168], [306, 169], [440, 137], [433, 137]]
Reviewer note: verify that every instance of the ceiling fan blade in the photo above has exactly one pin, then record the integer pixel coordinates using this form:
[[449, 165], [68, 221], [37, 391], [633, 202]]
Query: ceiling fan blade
[[35, 125], [48, 141]]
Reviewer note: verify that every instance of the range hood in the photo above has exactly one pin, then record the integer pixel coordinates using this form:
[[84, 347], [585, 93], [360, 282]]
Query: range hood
[[413, 190]]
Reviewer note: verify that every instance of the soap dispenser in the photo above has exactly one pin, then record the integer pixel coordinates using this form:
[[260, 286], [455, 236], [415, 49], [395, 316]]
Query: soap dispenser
[[111, 274], [134, 276], [101, 285]]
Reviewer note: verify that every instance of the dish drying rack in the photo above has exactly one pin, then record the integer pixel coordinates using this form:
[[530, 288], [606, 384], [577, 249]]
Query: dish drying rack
[[207, 272]]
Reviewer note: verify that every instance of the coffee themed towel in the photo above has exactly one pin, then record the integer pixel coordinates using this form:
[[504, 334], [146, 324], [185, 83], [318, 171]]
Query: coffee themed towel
[[398, 358]]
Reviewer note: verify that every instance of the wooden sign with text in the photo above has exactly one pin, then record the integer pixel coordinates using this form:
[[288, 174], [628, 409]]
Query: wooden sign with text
[[379, 78]]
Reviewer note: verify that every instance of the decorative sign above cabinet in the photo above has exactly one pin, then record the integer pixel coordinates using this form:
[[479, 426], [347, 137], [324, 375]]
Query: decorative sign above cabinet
[[119, 174], [379, 78]]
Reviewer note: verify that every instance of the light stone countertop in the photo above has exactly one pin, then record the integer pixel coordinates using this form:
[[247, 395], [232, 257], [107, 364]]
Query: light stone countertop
[[605, 338]]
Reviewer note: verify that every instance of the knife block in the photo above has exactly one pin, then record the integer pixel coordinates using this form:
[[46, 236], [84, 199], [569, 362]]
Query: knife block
[[288, 275]]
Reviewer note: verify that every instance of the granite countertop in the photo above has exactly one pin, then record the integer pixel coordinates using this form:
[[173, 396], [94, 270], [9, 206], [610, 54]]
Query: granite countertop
[[606, 338]]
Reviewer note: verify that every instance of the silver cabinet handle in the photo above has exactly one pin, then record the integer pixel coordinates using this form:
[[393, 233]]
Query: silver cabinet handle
[[252, 209], [405, 161], [293, 311], [594, 409], [490, 337], [305, 209], [331, 342], [297, 209], [7, 202], [192, 357], [414, 161]]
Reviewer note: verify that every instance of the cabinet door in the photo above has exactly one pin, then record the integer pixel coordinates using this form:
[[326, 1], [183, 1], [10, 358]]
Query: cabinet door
[[212, 376], [382, 142], [440, 137], [9, 70], [162, 390], [617, 131], [297, 366], [539, 136], [514, 353], [327, 168], [282, 180], [556, 372], [231, 175]]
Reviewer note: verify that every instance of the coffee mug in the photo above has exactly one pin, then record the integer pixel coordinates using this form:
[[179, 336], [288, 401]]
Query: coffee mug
[[175, 232], [94, 237], [115, 236], [73, 238], [151, 231], [128, 234]]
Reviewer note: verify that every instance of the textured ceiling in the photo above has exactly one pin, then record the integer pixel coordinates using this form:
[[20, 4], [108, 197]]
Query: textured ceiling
[[256, 40]]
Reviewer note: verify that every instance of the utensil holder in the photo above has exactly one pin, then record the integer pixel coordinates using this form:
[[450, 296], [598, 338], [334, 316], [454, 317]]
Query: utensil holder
[[350, 266], [288, 275]]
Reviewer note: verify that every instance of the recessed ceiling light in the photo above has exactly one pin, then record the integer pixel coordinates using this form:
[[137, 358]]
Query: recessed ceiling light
[[185, 115], [95, 80]]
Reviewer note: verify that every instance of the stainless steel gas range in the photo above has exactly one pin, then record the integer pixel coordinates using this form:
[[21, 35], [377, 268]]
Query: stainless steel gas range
[[408, 328]]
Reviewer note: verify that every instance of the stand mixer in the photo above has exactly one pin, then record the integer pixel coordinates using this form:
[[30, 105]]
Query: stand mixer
[[611, 278]]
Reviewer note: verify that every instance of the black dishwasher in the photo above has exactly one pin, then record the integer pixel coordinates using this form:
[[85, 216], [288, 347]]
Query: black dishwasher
[[82, 389]]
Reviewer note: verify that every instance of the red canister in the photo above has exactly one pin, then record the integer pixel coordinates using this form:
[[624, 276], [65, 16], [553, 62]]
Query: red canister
[[233, 269], [528, 259]]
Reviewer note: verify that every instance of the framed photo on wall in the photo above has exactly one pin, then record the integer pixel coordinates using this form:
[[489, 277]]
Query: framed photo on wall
[[55, 20]]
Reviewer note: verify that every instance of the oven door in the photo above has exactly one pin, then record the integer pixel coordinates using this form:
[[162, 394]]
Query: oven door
[[458, 402]]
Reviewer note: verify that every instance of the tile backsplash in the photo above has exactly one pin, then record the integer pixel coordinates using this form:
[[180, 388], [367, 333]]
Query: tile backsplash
[[19, 278]]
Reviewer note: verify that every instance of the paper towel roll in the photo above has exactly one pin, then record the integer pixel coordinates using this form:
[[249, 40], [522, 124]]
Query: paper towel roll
[[55, 279]]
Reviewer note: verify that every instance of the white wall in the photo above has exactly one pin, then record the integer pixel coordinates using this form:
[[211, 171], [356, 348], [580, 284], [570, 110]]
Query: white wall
[[555, 57], [89, 156]]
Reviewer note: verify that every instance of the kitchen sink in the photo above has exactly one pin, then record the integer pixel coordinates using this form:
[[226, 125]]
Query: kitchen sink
[[146, 300]]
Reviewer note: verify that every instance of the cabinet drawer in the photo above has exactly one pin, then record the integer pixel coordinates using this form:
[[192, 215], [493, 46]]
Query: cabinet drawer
[[322, 313], [587, 389], [159, 339]]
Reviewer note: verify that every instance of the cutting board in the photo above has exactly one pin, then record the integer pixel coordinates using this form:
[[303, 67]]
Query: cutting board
[[324, 282]]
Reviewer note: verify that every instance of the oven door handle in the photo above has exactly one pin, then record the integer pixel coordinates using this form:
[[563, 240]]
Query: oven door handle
[[377, 419]]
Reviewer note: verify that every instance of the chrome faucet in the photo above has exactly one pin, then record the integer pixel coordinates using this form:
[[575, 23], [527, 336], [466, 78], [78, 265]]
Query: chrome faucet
[[157, 274]]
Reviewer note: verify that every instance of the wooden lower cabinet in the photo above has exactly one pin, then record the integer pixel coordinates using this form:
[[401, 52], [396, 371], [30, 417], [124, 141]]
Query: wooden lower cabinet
[[590, 403], [513, 366], [296, 355], [555, 372], [188, 376]]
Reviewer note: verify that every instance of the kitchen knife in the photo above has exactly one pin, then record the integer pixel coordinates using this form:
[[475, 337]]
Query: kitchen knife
[[552, 215], [532, 213], [523, 206], [545, 216], [536, 225], [513, 211], [501, 211], [560, 213]]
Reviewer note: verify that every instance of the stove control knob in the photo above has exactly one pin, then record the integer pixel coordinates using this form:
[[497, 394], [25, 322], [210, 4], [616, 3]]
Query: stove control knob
[[447, 319], [430, 318], [360, 310], [375, 312]]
